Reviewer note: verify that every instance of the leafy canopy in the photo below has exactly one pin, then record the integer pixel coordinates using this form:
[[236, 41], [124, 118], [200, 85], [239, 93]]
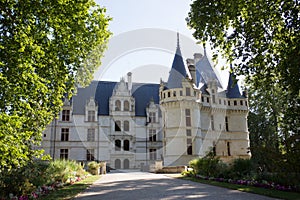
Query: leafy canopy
[[46, 48], [261, 38]]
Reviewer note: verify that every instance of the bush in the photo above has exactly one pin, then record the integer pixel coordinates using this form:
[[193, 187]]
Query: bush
[[22, 181], [209, 166], [93, 167], [25, 179], [241, 168], [64, 170]]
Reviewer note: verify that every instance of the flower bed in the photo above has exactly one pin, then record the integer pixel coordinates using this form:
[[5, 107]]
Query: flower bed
[[44, 190], [262, 184], [39, 178]]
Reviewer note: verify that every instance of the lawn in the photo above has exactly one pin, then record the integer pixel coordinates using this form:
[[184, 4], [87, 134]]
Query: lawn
[[70, 191], [251, 189]]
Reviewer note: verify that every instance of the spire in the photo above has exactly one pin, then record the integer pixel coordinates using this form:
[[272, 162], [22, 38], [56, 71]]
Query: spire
[[178, 46], [232, 87], [178, 71]]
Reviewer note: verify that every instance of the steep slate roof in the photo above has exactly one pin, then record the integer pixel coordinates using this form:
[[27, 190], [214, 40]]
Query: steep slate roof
[[178, 71], [205, 72], [233, 88], [143, 93], [102, 91]]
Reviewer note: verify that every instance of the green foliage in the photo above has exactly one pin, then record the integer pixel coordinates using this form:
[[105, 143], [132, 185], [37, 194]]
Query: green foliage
[[23, 180], [261, 38], [241, 168], [209, 165], [27, 178], [62, 170], [70, 191], [93, 165], [46, 48]]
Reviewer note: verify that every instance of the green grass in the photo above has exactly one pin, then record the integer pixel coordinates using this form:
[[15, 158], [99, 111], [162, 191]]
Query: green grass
[[251, 189], [70, 191]]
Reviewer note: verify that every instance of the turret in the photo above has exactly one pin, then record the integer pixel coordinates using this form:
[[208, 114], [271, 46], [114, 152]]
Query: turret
[[178, 71]]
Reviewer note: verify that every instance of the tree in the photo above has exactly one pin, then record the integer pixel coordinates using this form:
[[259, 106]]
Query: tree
[[46, 48], [261, 38], [263, 126]]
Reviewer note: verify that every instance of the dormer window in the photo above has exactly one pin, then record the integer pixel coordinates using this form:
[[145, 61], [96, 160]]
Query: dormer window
[[118, 105], [126, 105], [152, 117], [91, 109], [213, 96], [65, 115], [91, 116]]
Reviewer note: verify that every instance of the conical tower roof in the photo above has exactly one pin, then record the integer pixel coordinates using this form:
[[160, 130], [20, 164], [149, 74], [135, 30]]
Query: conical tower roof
[[205, 71], [233, 87], [178, 71]]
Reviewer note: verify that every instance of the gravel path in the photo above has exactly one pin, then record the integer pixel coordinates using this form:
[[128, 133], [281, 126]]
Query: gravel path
[[140, 185]]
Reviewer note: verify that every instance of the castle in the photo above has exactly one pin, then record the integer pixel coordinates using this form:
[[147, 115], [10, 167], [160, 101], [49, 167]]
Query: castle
[[130, 125]]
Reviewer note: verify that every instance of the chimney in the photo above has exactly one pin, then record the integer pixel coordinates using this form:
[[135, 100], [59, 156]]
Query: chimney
[[192, 70], [197, 57], [129, 80]]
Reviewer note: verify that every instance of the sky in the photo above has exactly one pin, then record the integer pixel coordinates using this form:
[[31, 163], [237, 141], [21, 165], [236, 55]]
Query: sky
[[145, 38]]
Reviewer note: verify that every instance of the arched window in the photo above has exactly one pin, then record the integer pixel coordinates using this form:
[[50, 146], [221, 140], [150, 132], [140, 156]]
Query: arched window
[[126, 105], [126, 145], [117, 125], [126, 125], [118, 105], [118, 164], [117, 145], [126, 164]]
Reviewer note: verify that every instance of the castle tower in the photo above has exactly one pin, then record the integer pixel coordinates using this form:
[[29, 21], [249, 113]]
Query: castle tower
[[180, 115]]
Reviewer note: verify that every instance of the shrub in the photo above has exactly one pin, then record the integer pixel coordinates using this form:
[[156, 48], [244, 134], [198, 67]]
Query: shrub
[[24, 180], [93, 167], [209, 166], [241, 168], [63, 170]]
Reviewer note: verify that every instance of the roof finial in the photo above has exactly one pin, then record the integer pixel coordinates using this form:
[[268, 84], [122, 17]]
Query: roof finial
[[177, 39]]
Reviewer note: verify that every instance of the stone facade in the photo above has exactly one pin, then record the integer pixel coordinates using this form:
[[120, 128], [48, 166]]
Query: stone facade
[[132, 125]]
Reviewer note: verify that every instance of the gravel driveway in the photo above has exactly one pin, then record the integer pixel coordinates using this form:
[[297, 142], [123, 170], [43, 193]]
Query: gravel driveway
[[131, 185]]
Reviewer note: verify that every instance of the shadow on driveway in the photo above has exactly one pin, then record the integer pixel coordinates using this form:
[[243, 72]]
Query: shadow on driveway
[[138, 185]]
